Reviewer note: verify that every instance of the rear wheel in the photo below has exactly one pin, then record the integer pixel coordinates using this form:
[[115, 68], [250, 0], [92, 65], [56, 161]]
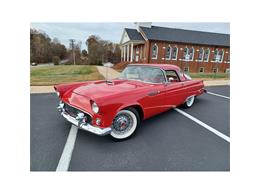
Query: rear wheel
[[189, 101], [125, 123]]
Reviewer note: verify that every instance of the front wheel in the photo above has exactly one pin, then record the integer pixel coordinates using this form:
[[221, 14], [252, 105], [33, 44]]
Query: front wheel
[[125, 123], [189, 101]]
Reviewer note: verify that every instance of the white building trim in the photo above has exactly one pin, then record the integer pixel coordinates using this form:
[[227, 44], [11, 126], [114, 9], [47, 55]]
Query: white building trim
[[132, 52]]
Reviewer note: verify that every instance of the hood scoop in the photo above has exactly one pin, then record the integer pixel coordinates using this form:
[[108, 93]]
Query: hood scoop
[[109, 82]]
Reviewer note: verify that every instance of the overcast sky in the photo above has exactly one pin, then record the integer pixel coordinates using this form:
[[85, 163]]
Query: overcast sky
[[113, 31]]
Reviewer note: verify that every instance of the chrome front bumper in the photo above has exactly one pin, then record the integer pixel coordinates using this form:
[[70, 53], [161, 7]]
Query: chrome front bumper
[[84, 126]]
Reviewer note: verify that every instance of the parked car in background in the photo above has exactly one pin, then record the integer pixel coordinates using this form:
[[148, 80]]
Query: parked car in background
[[34, 64], [117, 107]]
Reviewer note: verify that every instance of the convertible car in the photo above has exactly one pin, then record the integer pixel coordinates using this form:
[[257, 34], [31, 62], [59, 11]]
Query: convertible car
[[117, 106]]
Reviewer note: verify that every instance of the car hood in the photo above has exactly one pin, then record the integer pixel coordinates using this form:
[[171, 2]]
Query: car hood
[[102, 89]]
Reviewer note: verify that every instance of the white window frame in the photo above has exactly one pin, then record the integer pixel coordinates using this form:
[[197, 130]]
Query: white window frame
[[222, 57], [216, 70], [169, 46], [227, 70], [192, 53], [177, 49], [227, 62], [202, 68], [214, 60], [187, 68], [184, 57], [208, 55], [202, 55], [155, 45]]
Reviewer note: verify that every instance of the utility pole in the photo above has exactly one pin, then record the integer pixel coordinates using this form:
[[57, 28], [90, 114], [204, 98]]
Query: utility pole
[[72, 45]]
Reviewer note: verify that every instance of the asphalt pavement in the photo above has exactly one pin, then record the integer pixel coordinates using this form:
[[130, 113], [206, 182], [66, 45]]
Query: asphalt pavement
[[167, 142]]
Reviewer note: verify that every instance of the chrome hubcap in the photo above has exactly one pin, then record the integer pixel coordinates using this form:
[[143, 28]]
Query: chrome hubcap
[[122, 123]]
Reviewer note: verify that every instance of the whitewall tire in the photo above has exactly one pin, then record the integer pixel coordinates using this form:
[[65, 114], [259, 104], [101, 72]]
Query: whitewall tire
[[189, 101], [125, 123]]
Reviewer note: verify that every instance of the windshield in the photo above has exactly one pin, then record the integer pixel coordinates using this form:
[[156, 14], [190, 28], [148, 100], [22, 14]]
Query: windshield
[[143, 73]]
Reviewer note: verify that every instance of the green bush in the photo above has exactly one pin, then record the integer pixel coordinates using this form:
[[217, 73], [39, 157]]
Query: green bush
[[56, 60]]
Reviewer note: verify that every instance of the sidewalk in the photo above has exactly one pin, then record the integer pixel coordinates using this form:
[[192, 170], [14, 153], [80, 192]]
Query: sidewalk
[[216, 82], [108, 72]]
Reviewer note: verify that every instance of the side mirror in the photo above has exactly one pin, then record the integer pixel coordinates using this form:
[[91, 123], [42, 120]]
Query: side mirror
[[171, 79]]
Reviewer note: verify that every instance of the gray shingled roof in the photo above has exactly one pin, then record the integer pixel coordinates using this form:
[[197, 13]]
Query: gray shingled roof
[[134, 34], [186, 36]]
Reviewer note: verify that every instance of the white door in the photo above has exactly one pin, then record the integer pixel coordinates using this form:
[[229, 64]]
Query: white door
[[136, 58]]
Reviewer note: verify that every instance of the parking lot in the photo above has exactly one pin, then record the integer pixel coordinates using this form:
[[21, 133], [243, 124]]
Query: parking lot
[[195, 139]]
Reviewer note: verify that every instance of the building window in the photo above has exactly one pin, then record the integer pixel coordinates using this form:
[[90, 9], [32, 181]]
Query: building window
[[168, 53], [227, 70], [218, 55], [206, 55], [186, 69], [191, 54], [154, 51], [201, 54], [215, 55], [185, 53], [221, 55], [228, 58], [201, 69], [174, 53], [215, 70]]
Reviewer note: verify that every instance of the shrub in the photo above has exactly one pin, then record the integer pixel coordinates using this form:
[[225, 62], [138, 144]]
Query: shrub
[[56, 60]]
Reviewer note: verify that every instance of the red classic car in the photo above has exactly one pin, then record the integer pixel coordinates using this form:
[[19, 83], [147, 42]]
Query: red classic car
[[116, 107]]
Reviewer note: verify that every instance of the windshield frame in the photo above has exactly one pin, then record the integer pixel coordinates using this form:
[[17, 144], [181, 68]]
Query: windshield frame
[[165, 78]]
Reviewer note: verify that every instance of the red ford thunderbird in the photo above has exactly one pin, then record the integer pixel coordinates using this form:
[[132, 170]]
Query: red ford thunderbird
[[116, 107]]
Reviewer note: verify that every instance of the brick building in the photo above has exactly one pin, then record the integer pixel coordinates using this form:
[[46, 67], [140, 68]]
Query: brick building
[[193, 51]]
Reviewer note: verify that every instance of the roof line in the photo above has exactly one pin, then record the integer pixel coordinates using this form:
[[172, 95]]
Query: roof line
[[186, 30]]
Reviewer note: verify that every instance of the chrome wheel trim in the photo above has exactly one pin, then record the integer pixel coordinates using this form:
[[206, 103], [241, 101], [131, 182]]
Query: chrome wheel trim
[[124, 124], [190, 101]]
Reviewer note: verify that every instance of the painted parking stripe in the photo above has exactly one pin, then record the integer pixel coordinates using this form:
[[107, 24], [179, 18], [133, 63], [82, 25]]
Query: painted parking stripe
[[218, 95], [68, 149], [211, 129]]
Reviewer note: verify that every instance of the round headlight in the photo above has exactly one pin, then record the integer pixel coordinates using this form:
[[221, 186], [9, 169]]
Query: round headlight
[[95, 107]]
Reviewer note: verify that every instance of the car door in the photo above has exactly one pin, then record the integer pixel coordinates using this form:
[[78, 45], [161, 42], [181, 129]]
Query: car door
[[174, 90], [154, 97]]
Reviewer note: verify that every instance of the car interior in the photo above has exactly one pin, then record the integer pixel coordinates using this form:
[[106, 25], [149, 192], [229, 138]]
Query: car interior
[[172, 76]]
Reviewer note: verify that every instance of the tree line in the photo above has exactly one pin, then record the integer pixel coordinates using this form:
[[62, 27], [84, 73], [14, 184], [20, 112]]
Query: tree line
[[44, 50]]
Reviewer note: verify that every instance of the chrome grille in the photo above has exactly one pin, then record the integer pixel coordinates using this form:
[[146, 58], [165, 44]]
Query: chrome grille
[[74, 111]]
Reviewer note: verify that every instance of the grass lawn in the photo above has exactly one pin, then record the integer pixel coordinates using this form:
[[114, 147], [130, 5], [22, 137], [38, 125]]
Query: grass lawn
[[63, 74], [210, 76]]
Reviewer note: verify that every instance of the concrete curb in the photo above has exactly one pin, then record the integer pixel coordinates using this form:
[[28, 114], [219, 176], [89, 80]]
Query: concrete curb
[[41, 89]]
